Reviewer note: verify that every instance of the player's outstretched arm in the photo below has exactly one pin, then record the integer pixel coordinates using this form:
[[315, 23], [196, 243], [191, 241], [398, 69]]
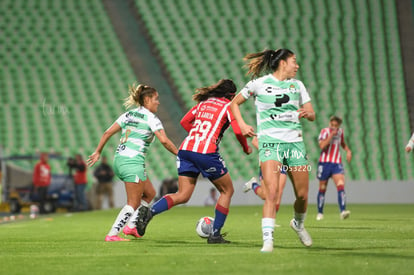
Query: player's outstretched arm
[[246, 129], [104, 139], [240, 137], [166, 142]]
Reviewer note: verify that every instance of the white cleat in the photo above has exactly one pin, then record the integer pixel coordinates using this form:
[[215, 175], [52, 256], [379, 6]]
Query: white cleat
[[267, 247], [303, 235], [344, 214], [319, 217], [248, 185]]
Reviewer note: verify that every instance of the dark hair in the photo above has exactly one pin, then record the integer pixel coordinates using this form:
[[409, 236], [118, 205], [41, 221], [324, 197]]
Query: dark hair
[[336, 118], [224, 88], [267, 60], [137, 93]]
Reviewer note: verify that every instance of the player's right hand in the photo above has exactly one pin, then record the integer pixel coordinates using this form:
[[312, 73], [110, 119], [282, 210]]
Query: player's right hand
[[93, 158], [247, 130]]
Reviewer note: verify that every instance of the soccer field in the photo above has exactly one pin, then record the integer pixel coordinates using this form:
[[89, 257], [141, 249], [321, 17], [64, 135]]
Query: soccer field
[[377, 239]]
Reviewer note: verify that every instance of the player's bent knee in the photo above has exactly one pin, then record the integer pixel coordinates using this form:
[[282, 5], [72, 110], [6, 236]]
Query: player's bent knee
[[302, 197], [340, 183]]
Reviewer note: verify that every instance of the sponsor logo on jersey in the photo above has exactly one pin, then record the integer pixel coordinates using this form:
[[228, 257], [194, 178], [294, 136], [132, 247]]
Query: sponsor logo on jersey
[[282, 116], [271, 89], [211, 109], [134, 114], [131, 122]]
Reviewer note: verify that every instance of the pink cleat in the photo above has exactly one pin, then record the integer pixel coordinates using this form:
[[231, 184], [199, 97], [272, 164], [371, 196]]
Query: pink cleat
[[131, 231], [115, 239]]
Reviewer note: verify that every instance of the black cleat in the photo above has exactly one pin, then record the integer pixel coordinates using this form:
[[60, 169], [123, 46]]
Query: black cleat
[[144, 217], [217, 239]]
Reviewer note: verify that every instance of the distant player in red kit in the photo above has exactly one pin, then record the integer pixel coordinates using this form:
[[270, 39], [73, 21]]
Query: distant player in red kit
[[205, 124], [330, 165], [41, 180]]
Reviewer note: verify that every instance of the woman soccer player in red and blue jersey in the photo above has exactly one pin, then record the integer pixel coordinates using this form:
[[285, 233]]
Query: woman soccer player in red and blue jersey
[[330, 165], [205, 124]]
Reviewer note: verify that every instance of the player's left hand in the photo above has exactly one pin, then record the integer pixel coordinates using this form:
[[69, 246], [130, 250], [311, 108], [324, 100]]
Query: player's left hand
[[93, 159], [408, 149]]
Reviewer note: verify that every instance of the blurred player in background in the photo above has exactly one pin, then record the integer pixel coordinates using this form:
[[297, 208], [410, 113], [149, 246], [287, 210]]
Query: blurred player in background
[[330, 165], [138, 127], [410, 145], [281, 101], [41, 180], [104, 174], [168, 186], [80, 180], [257, 188], [205, 124]]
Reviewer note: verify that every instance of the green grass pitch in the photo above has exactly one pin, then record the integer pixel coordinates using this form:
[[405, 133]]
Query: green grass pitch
[[376, 239]]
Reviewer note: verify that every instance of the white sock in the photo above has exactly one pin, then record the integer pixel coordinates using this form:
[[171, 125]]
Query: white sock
[[144, 203], [268, 226], [131, 222], [300, 219], [120, 221]]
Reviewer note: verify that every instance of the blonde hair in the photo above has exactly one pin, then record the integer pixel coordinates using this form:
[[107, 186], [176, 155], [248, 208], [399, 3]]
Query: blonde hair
[[137, 93]]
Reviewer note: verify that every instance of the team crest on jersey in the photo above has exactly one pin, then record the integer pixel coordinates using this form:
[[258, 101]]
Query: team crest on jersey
[[292, 88]]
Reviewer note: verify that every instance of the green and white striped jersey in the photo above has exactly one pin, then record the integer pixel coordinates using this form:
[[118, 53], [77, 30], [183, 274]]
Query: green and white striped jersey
[[138, 127], [277, 103]]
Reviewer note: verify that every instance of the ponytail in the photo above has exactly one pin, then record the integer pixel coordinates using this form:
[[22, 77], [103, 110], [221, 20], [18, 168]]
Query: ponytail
[[265, 61], [224, 88], [137, 93]]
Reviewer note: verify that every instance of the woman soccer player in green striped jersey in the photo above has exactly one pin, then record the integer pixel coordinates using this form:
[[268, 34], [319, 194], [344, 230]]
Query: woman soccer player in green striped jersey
[[138, 127], [281, 102]]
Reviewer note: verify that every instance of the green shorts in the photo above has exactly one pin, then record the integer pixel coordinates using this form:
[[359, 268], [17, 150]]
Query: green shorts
[[129, 169], [290, 154]]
